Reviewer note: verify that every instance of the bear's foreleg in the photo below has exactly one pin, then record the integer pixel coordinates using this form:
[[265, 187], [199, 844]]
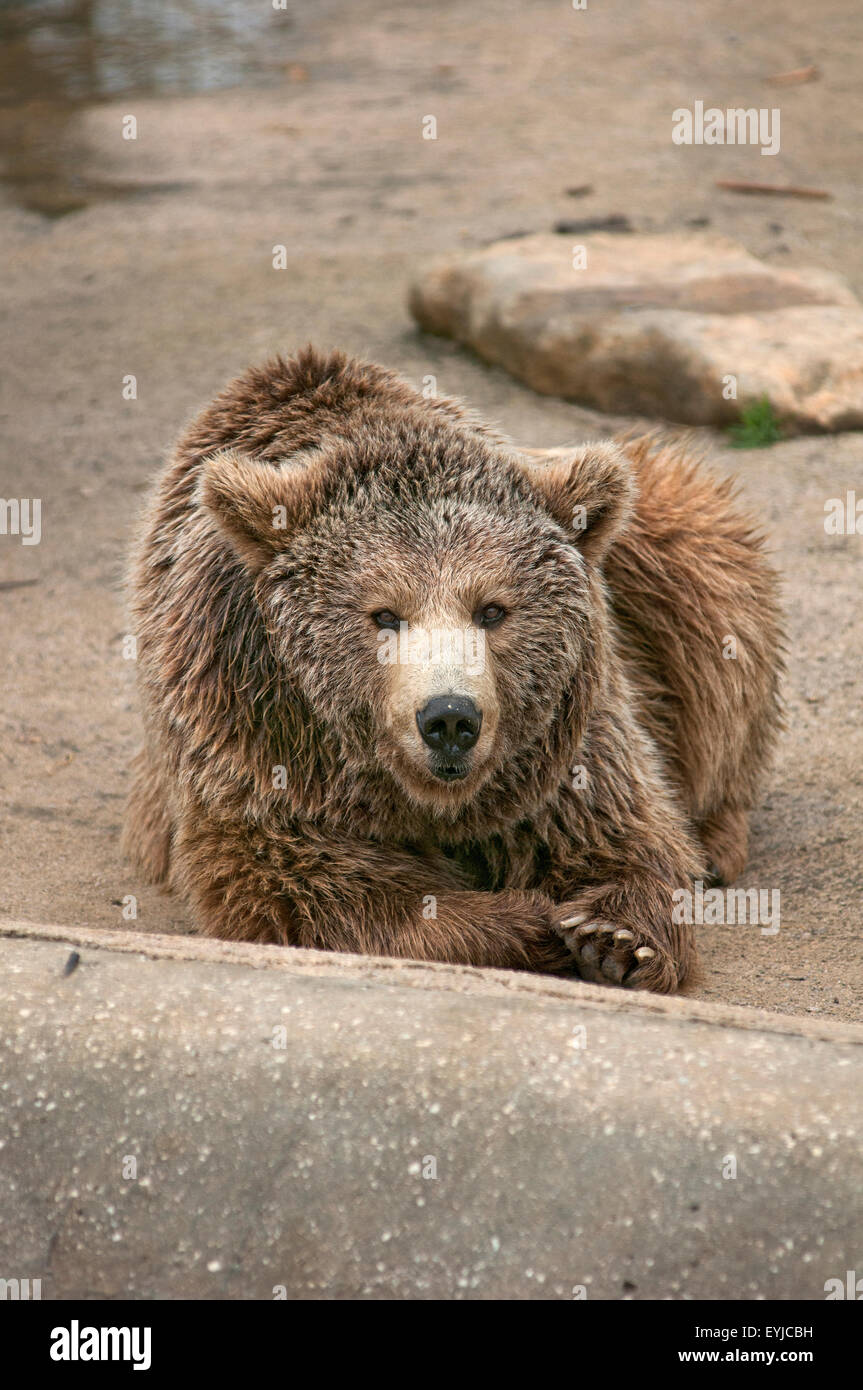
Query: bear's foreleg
[[621, 862], [314, 889]]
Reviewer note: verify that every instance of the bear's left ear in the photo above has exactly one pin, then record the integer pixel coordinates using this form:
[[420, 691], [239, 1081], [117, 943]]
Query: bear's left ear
[[257, 504], [590, 491]]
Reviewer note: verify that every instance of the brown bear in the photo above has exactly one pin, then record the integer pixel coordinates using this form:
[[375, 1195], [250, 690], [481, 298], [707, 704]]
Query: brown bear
[[411, 691]]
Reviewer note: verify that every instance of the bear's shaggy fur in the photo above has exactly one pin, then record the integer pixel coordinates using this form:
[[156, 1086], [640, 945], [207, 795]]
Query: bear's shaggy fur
[[626, 700]]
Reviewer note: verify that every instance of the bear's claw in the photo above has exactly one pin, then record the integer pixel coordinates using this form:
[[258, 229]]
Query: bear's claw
[[603, 953]]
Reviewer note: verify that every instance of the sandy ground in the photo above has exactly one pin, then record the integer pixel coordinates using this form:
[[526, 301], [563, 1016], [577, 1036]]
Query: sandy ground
[[173, 282]]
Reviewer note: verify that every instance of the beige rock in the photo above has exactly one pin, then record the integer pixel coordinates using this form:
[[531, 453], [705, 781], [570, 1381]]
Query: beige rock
[[656, 325]]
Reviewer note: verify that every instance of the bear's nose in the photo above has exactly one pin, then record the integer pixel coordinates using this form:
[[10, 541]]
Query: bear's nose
[[449, 723]]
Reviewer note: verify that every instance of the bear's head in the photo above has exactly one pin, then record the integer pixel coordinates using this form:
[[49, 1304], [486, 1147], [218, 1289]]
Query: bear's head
[[434, 594]]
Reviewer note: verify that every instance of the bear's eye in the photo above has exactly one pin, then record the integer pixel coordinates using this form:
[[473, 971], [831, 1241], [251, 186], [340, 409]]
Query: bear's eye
[[489, 616], [386, 618]]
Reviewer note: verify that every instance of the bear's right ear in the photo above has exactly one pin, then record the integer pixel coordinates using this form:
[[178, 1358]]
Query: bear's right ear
[[590, 491], [257, 504]]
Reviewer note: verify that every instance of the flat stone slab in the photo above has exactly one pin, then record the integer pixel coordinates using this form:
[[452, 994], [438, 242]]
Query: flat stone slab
[[196, 1119], [656, 326]]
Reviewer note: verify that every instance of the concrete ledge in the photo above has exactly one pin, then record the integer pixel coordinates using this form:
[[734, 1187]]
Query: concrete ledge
[[426, 975], [413, 1131]]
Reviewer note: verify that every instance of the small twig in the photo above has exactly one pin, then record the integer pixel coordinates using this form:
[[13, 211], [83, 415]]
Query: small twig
[[790, 190], [614, 222], [797, 75]]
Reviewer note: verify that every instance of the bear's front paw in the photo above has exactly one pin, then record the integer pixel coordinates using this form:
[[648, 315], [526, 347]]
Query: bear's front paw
[[608, 954]]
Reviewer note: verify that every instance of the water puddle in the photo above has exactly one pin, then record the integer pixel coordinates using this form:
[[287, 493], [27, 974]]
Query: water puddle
[[60, 56]]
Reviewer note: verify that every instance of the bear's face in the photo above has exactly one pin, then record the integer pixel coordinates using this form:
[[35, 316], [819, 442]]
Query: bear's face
[[433, 639], [433, 621]]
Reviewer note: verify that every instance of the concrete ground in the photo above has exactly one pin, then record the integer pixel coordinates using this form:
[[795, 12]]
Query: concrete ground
[[161, 268], [188, 1119]]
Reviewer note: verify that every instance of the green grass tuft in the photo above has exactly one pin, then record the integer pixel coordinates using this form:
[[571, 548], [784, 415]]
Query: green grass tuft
[[756, 428]]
